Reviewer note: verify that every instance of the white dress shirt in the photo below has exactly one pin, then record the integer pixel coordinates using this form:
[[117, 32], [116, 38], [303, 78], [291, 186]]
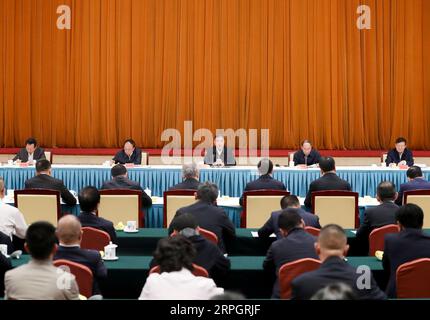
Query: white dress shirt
[[12, 221], [178, 285]]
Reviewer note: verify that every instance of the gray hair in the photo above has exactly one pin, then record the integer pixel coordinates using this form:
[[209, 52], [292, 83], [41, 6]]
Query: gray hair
[[190, 170]]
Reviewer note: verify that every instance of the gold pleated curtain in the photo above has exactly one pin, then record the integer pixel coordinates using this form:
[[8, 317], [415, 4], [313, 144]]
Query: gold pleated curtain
[[132, 68]]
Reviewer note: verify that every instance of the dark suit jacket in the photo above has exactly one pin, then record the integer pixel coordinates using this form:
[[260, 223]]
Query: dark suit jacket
[[5, 265], [313, 158], [212, 218], [22, 154], [405, 246], [187, 184], [89, 219], [89, 258], [415, 184], [271, 225], [226, 156], [298, 244], [333, 270], [125, 183], [375, 217], [4, 239], [265, 181], [44, 181], [123, 158], [329, 181], [393, 157]]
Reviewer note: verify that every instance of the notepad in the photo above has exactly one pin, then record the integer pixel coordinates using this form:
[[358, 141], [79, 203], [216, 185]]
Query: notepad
[[255, 234]]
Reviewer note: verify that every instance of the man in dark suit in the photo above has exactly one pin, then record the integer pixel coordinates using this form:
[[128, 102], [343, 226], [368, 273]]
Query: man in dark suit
[[30, 153], [89, 200], [208, 256], [69, 234], [265, 181], [190, 175], [120, 180], [5, 239], [416, 181], [129, 154], [209, 216], [332, 248], [5, 265], [44, 180], [379, 216], [400, 155], [409, 244], [292, 202], [219, 154], [296, 244], [306, 156], [328, 181]]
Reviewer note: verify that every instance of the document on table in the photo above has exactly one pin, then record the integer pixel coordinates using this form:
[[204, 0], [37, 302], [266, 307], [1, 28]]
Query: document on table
[[255, 234]]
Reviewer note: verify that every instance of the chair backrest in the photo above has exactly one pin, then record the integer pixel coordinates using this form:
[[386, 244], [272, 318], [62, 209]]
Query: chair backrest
[[291, 270], [335, 206], [377, 237], [39, 204], [144, 158], [258, 205], [422, 199], [198, 271], [94, 239], [384, 157], [209, 235], [174, 200], [291, 155], [83, 275], [48, 155], [413, 279], [121, 205], [313, 231]]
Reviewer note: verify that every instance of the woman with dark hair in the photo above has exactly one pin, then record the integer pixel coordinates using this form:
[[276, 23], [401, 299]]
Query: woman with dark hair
[[175, 255]]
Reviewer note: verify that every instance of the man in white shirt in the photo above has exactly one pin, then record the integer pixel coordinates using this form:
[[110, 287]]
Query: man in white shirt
[[12, 221]]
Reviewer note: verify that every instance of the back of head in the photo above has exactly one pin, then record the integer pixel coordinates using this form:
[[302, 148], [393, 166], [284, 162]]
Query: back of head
[[335, 291], [229, 295], [43, 165], [89, 198], [414, 172], [186, 220], [327, 164], [40, 239], [69, 230], [410, 216], [174, 253], [290, 201], [289, 219], [265, 166], [386, 191], [332, 240], [190, 171], [207, 192], [118, 170]]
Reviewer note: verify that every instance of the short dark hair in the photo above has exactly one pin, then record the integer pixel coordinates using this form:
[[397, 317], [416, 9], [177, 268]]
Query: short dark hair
[[43, 165], [400, 139], [305, 141], [40, 239], [89, 198], [410, 216], [414, 172], [31, 141], [289, 201], [386, 190], [289, 219], [207, 192], [335, 291], [118, 170], [131, 141], [174, 253], [265, 166], [186, 220], [327, 164]]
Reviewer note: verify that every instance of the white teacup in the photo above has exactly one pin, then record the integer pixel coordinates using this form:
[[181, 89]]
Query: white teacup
[[110, 251], [10, 162], [131, 225], [3, 249]]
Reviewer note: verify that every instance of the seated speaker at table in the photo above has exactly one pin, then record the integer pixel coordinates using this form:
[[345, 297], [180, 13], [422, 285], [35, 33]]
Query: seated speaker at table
[[190, 176], [120, 180], [129, 154], [44, 180], [30, 152], [307, 155], [416, 181], [400, 155], [219, 154], [328, 181]]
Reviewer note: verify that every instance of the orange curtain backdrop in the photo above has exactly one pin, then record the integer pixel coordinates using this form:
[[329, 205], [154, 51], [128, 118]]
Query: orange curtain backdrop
[[132, 68]]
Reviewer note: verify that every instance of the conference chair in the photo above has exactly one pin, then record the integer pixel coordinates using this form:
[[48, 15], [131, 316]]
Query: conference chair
[[174, 200], [144, 161], [258, 205], [208, 235], [313, 231], [39, 204], [335, 206], [83, 275], [94, 239], [413, 279], [422, 199], [377, 237], [48, 156], [289, 271], [121, 205], [197, 271], [384, 157]]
